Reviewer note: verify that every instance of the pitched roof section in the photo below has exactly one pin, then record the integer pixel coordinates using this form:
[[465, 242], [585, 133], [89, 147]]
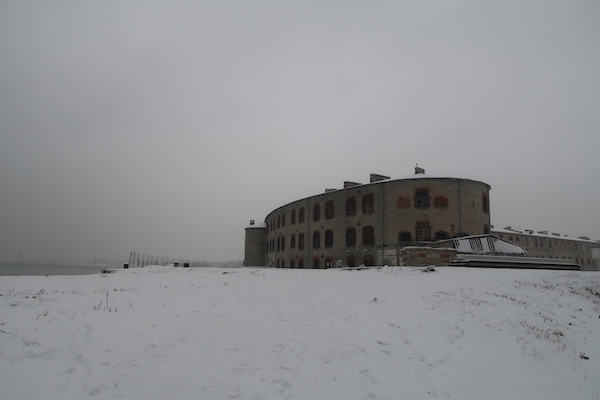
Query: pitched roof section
[[485, 244]]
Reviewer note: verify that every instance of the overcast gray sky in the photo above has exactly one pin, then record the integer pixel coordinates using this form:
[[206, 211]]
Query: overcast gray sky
[[163, 127]]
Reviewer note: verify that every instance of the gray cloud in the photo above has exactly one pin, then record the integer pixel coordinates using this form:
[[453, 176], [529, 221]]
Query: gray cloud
[[164, 127]]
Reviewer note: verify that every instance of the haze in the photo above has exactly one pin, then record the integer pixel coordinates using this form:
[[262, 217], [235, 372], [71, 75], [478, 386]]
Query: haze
[[164, 127]]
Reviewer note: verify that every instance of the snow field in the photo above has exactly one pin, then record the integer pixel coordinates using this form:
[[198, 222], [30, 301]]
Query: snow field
[[252, 333]]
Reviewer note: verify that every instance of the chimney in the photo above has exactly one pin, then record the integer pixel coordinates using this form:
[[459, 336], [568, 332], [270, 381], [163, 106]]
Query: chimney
[[251, 222], [348, 184], [377, 177], [330, 190], [419, 170], [543, 232]]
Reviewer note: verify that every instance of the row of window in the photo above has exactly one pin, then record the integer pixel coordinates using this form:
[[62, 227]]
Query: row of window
[[368, 239], [368, 207], [423, 233], [327, 262], [541, 243]]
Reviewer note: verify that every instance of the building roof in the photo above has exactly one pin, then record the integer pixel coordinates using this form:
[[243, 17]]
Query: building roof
[[485, 244]]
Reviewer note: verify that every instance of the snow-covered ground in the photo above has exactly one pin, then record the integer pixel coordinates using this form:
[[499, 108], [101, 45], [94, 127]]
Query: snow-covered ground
[[384, 333]]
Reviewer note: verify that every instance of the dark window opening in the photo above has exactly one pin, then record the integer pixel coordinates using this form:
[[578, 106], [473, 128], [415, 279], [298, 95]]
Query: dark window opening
[[293, 217], [329, 210], [368, 204], [301, 241], [351, 206], [350, 237], [293, 241], [441, 235], [350, 262], [301, 215], [316, 262], [316, 212], [316, 241], [328, 238], [368, 235], [486, 202], [422, 198], [404, 237]]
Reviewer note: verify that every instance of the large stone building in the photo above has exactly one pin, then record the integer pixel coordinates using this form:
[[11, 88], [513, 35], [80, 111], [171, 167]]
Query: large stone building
[[368, 223], [381, 222]]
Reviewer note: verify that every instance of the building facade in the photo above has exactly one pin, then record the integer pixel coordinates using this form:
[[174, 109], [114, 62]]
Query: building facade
[[368, 223], [553, 245]]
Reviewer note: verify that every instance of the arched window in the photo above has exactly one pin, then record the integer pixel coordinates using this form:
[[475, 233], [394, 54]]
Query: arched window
[[316, 212], [301, 215], [293, 217], [329, 210], [351, 206], [301, 241], [293, 241], [441, 235], [350, 237], [328, 238], [316, 239], [368, 235], [368, 204], [404, 237], [423, 231]]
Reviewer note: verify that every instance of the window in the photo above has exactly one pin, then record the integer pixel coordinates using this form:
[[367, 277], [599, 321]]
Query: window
[[329, 210], [328, 238], [316, 241], [440, 201], [368, 260], [300, 262], [283, 243], [423, 231], [316, 262], [316, 212], [279, 243], [328, 262], [486, 228], [368, 204], [350, 262], [368, 235], [441, 235], [301, 241], [279, 221], [422, 198], [351, 206], [350, 237], [404, 237], [283, 219], [293, 241], [292, 263], [293, 217], [301, 215], [485, 202]]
